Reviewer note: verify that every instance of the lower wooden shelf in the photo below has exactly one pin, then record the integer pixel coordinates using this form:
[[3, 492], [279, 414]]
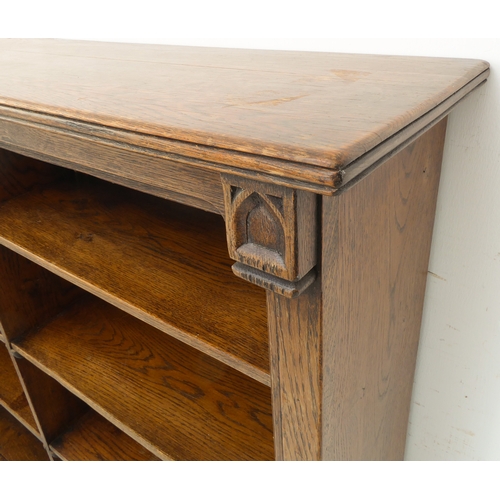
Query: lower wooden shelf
[[161, 262], [16, 442], [175, 401], [93, 437]]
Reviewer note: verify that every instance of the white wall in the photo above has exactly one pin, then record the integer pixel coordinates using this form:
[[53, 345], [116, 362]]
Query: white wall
[[455, 411]]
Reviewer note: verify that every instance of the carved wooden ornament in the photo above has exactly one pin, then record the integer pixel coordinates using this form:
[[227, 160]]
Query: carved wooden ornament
[[271, 229]]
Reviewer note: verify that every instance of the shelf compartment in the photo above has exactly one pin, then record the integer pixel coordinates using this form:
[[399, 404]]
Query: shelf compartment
[[164, 263], [176, 401], [12, 396], [16, 442], [95, 438]]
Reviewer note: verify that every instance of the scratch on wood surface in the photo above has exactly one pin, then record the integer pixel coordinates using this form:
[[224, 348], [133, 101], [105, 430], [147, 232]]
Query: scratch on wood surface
[[436, 275], [269, 102]]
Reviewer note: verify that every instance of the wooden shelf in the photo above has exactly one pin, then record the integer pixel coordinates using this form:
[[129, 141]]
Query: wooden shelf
[[16, 442], [176, 401], [162, 262], [95, 438], [12, 396]]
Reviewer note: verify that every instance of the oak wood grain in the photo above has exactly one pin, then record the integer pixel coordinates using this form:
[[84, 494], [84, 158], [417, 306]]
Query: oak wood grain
[[56, 140], [177, 402], [164, 263], [296, 373], [362, 166], [93, 437], [16, 442], [12, 396], [285, 106], [376, 241]]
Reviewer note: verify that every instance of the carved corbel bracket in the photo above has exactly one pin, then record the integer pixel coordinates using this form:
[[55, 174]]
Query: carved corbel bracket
[[271, 234]]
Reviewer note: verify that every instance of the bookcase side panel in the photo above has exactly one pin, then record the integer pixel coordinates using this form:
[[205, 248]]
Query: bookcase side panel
[[376, 244]]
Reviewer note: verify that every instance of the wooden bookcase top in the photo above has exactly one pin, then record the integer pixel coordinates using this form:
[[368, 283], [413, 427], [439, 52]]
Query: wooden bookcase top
[[317, 118]]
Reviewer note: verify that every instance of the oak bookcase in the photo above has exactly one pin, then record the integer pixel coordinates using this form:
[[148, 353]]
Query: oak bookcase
[[212, 254]]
